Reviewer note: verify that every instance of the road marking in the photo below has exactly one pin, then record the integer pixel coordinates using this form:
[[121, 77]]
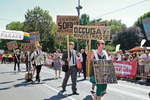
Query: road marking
[[59, 92], [55, 90]]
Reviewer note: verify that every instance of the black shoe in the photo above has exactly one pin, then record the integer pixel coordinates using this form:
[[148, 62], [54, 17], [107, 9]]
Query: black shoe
[[75, 93], [38, 80], [63, 90]]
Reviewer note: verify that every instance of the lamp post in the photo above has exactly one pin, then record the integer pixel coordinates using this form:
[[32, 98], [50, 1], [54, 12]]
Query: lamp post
[[78, 10]]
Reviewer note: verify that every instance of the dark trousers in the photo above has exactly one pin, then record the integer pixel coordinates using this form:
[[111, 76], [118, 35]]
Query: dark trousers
[[4, 59], [38, 70], [15, 66], [28, 64], [73, 72], [84, 69], [9, 60]]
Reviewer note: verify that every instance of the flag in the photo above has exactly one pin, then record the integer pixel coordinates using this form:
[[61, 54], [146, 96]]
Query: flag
[[26, 36], [142, 42], [117, 47]]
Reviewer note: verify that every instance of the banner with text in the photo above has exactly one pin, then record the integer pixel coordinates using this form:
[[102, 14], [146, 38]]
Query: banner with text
[[65, 24], [92, 32], [9, 34], [34, 36], [104, 71], [125, 69], [146, 24]]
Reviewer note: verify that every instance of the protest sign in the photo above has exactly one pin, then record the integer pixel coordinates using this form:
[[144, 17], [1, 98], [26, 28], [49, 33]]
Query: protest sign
[[9, 34], [27, 46], [34, 36], [146, 24], [60, 39], [12, 45], [41, 59], [92, 32], [65, 24], [104, 71], [102, 23]]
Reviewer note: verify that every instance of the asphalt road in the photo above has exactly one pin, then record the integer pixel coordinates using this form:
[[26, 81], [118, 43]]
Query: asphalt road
[[14, 87]]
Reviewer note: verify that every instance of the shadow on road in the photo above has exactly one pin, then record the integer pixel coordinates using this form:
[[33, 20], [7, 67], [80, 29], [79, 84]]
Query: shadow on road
[[5, 88], [6, 82], [48, 79], [58, 96]]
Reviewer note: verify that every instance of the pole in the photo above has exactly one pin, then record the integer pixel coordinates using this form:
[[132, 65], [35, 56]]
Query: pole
[[78, 10], [89, 52], [68, 50], [59, 44]]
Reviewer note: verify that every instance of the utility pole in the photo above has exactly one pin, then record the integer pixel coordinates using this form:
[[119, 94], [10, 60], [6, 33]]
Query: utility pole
[[78, 10]]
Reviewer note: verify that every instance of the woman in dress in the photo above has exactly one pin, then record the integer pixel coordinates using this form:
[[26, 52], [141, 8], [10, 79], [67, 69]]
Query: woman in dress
[[100, 53], [57, 63]]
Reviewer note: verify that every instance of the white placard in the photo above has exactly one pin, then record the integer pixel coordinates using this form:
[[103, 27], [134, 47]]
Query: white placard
[[9, 34]]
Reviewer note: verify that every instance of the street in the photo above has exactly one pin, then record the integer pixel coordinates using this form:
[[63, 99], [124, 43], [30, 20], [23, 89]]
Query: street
[[14, 87]]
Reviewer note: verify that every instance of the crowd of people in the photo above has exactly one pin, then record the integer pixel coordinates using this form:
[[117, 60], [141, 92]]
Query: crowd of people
[[61, 61]]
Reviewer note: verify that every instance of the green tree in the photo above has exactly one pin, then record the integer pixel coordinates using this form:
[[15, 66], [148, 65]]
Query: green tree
[[40, 20], [115, 26], [17, 26], [84, 19], [127, 38], [140, 24]]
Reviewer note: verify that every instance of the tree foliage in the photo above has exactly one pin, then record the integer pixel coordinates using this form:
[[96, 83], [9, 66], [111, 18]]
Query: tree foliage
[[40, 20], [127, 38], [115, 25], [17, 26]]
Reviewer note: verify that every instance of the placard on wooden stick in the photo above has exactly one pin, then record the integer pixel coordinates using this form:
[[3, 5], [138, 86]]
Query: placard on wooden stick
[[104, 72], [34, 36], [102, 23], [41, 59], [92, 32], [27, 47], [146, 24], [65, 24], [60, 39], [12, 45]]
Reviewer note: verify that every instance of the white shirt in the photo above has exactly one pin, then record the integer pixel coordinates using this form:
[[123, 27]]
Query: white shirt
[[71, 59], [81, 57], [119, 57]]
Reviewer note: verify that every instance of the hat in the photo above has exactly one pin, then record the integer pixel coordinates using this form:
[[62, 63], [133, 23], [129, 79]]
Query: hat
[[147, 52], [71, 43], [17, 50]]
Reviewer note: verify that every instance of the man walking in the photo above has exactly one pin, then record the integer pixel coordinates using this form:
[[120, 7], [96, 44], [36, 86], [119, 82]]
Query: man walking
[[72, 70], [84, 55]]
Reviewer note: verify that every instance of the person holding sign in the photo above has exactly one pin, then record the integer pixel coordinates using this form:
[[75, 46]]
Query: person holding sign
[[38, 68], [17, 60], [100, 53], [72, 69]]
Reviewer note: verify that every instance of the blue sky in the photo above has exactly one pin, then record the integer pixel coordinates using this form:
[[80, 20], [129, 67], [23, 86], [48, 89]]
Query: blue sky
[[16, 9]]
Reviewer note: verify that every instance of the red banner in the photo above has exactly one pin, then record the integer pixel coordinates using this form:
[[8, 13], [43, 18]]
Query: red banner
[[125, 69]]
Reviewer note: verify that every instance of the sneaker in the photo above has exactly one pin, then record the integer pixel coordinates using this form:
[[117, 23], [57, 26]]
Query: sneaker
[[142, 81]]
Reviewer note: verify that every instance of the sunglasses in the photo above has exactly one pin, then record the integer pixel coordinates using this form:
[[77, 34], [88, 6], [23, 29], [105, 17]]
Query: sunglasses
[[102, 43]]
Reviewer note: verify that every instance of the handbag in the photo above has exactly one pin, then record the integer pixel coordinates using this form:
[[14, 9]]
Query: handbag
[[79, 66], [92, 79], [64, 68]]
